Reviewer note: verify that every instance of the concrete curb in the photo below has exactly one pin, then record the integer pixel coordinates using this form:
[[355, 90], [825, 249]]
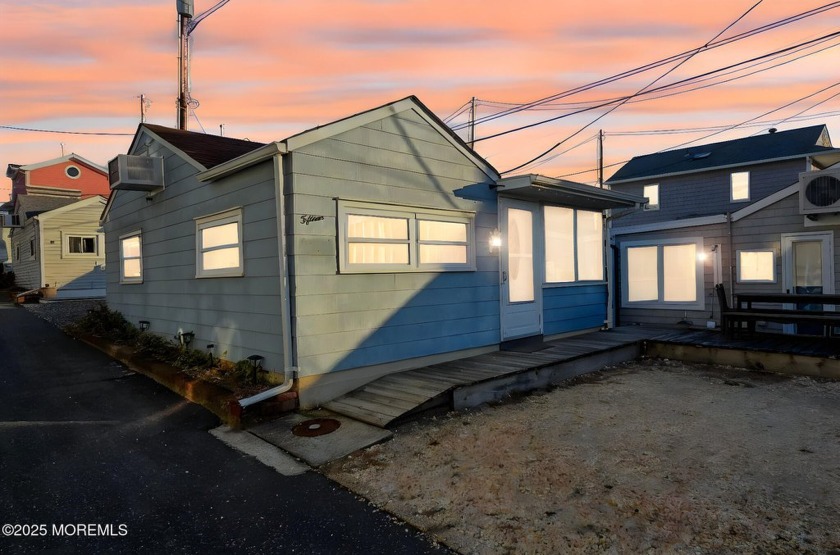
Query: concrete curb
[[218, 400]]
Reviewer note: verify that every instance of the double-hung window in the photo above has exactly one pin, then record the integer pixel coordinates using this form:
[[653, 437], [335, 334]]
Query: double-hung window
[[131, 258], [218, 245], [384, 238], [667, 274], [573, 245]]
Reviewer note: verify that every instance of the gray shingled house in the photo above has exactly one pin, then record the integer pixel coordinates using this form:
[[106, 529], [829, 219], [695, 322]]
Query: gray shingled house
[[373, 244], [756, 214]]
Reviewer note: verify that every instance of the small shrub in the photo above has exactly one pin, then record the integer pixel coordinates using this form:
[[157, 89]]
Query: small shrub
[[106, 323], [192, 358], [157, 347]]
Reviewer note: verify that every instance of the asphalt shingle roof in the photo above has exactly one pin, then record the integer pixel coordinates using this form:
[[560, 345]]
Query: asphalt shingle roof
[[768, 146], [32, 205], [207, 150]]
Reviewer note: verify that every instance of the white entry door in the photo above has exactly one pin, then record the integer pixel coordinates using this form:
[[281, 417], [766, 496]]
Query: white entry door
[[521, 267], [807, 265]]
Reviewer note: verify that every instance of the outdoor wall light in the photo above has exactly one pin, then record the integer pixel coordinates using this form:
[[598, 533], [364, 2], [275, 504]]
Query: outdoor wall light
[[185, 338], [210, 348], [495, 240], [144, 325], [256, 365]]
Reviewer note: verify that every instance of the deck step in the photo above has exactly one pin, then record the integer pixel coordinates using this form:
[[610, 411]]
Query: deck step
[[395, 397]]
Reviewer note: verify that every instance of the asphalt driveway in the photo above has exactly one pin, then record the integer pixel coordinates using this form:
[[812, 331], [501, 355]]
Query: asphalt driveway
[[94, 458]]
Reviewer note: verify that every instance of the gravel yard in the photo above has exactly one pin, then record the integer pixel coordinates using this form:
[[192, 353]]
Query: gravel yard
[[652, 456], [61, 313]]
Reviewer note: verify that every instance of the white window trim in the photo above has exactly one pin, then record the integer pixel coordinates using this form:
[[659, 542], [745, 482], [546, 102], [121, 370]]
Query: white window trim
[[131, 280], [577, 280], [214, 220], [699, 275], [65, 244], [653, 207], [732, 187], [738, 266], [414, 215]]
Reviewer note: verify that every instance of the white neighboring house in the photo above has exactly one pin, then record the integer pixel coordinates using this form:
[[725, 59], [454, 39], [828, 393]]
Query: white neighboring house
[[57, 243]]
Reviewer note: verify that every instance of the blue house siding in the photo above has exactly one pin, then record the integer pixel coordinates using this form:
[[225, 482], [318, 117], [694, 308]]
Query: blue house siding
[[568, 309]]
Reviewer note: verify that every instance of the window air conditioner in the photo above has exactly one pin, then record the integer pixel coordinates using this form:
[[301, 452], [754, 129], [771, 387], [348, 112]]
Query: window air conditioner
[[819, 192], [135, 173]]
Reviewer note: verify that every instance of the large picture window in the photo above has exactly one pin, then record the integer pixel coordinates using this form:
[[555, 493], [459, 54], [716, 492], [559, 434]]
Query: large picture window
[[131, 258], [668, 274], [573, 245], [381, 238], [219, 245]]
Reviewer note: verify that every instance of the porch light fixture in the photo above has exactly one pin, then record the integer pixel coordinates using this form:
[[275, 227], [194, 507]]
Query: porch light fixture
[[144, 325], [256, 366], [495, 240]]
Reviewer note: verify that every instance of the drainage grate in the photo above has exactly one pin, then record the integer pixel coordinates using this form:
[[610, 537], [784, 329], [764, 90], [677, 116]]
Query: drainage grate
[[316, 427]]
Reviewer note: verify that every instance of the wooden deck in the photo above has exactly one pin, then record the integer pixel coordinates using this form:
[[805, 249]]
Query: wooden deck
[[489, 377]]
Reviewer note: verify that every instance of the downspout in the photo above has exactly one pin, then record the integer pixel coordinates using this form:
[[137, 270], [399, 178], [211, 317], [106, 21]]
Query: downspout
[[41, 268], [289, 370], [731, 260]]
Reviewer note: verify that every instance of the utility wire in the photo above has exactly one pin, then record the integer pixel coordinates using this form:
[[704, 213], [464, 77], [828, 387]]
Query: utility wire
[[640, 91], [654, 65], [682, 82], [15, 128]]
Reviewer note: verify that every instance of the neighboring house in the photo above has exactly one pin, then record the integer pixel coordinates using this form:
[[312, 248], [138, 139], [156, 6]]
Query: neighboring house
[[68, 173], [6, 211], [730, 213], [58, 244], [376, 243]]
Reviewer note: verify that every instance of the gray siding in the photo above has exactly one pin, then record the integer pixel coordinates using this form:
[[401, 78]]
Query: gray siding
[[707, 193], [239, 315], [348, 321], [761, 230]]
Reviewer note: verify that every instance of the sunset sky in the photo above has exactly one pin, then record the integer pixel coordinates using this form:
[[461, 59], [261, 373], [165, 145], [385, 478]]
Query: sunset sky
[[267, 70]]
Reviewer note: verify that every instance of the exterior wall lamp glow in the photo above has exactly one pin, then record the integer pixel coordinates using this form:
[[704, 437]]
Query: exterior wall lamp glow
[[495, 240], [185, 338]]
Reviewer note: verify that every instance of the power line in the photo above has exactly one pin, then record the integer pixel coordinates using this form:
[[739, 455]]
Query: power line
[[653, 65], [100, 133], [640, 91]]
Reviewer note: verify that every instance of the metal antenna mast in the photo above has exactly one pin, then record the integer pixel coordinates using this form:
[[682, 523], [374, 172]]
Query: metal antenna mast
[[186, 25]]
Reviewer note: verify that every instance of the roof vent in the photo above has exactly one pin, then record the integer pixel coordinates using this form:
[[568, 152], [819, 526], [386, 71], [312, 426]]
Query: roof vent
[[772, 130], [698, 155], [135, 173]]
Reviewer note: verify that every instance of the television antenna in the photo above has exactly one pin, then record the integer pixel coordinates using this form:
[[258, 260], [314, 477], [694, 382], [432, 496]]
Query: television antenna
[[186, 25]]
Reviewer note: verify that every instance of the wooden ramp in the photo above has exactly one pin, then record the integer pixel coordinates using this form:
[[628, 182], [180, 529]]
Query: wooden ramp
[[489, 377]]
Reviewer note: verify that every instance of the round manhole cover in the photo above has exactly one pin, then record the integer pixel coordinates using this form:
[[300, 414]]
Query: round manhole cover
[[316, 427]]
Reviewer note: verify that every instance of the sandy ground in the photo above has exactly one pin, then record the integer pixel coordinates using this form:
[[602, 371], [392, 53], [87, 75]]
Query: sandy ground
[[648, 457]]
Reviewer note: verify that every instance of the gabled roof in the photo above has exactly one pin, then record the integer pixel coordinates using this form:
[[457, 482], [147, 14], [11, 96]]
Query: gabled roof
[[32, 205], [90, 201], [13, 169], [781, 145], [207, 150]]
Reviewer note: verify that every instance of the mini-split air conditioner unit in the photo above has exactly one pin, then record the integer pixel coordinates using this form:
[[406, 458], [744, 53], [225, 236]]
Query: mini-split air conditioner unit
[[819, 192], [135, 173]]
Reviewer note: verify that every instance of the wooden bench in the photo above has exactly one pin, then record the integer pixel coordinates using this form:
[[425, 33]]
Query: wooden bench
[[731, 319]]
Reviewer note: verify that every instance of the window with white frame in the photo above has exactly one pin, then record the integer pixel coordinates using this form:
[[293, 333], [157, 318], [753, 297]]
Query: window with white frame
[[756, 266], [218, 245], [131, 258], [384, 238], [652, 194], [573, 245], [665, 274], [739, 186], [80, 245]]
